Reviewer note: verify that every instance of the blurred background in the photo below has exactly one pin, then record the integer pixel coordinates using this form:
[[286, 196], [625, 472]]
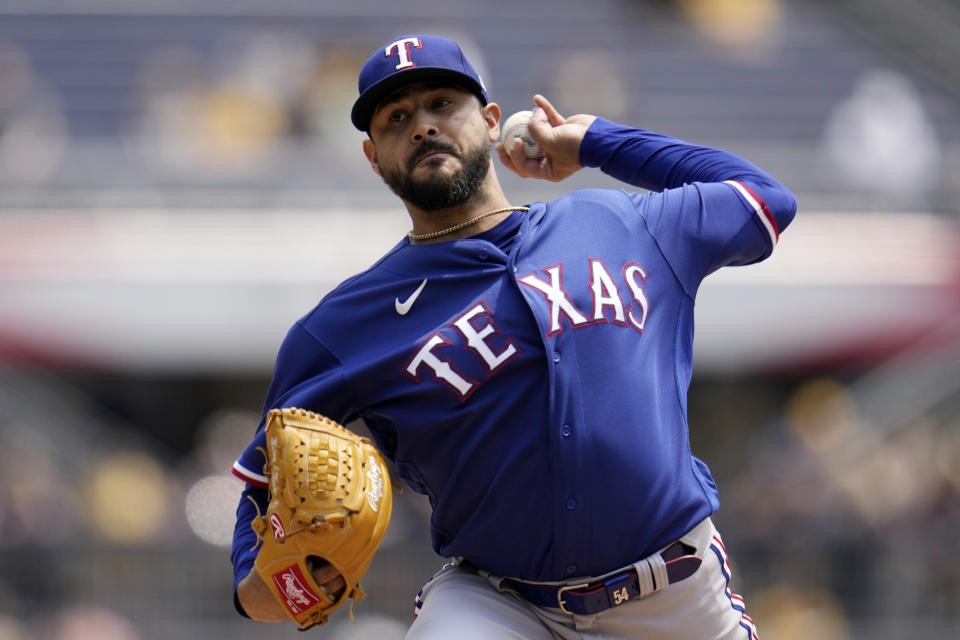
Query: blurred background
[[179, 181]]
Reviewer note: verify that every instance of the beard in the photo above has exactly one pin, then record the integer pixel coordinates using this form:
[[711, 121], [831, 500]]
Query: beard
[[436, 192]]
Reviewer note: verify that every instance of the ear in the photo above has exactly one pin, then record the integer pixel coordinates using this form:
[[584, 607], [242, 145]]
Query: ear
[[491, 115], [370, 150]]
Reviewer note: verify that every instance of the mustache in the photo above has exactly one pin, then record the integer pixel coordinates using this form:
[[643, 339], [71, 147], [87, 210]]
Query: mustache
[[430, 146]]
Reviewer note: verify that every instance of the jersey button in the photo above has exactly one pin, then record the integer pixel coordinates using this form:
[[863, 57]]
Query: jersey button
[[571, 504], [565, 431], [571, 569], [556, 356], [483, 254]]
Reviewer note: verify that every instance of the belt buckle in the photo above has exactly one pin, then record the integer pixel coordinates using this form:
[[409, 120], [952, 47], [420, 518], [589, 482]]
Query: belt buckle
[[570, 587]]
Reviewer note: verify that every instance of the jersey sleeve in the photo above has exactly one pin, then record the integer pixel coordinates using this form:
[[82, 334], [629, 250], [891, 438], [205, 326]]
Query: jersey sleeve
[[702, 227], [707, 208], [306, 375], [253, 501]]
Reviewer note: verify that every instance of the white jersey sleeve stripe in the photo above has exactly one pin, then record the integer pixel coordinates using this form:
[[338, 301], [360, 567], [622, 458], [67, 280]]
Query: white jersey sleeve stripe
[[759, 208], [256, 479]]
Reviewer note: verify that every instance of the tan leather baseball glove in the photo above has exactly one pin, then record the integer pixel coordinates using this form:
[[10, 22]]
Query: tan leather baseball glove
[[330, 498]]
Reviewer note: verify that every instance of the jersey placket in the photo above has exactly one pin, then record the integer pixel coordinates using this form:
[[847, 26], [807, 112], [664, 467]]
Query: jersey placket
[[565, 503]]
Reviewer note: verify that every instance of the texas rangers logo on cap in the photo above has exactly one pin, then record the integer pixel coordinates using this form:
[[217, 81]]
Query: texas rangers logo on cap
[[402, 49], [409, 59]]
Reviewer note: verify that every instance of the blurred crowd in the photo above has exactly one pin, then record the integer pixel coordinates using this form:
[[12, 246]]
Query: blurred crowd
[[154, 103]]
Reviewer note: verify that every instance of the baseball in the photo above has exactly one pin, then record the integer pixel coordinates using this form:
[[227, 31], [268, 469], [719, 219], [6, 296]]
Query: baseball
[[516, 127]]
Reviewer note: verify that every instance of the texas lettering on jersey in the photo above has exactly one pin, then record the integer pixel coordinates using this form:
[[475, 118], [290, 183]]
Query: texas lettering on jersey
[[476, 327]]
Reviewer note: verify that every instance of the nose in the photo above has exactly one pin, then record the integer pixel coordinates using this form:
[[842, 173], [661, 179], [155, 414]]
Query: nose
[[424, 127]]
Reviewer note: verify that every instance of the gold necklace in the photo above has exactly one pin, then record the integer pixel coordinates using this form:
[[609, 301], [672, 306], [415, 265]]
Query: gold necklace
[[462, 225]]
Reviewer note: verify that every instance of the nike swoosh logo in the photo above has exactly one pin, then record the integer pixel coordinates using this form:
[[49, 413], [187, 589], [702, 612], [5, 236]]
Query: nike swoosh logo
[[404, 307]]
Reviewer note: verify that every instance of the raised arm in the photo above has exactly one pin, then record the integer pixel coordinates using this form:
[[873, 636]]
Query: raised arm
[[639, 158]]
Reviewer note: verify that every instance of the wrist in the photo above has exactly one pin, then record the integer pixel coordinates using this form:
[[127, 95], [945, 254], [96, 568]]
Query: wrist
[[257, 601], [593, 151]]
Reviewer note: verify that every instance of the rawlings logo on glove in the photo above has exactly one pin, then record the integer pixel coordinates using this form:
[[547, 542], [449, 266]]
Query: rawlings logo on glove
[[375, 492], [328, 500], [297, 596]]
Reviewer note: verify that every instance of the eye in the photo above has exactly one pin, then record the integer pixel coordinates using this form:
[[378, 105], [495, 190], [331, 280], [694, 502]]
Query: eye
[[440, 103], [397, 115]]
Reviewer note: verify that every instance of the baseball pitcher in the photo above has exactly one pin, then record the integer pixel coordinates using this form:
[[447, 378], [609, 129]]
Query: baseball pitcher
[[524, 365]]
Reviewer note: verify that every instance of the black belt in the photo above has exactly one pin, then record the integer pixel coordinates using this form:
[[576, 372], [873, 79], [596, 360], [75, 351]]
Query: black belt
[[593, 597]]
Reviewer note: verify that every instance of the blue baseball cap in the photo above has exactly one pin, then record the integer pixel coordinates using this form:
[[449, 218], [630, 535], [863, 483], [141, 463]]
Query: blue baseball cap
[[411, 59]]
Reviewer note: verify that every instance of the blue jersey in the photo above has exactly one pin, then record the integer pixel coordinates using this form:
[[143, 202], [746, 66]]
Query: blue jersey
[[532, 380]]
